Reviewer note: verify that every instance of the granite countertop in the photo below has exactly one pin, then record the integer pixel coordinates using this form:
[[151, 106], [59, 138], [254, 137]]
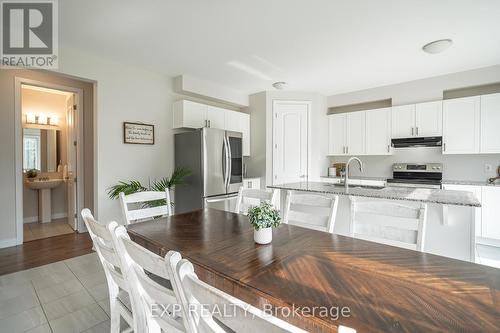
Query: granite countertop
[[444, 197], [445, 181], [357, 177]]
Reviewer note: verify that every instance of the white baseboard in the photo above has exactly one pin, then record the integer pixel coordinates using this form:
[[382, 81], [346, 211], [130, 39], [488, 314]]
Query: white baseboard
[[8, 242], [32, 219]]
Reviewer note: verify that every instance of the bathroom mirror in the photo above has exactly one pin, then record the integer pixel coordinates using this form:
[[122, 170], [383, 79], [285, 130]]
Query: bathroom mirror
[[41, 149]]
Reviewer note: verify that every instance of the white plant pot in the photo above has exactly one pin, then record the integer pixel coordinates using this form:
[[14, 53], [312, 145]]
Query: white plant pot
[[263, 236]]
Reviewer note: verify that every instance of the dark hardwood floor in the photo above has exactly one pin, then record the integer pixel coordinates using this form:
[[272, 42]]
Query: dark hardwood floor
[[44, 251]]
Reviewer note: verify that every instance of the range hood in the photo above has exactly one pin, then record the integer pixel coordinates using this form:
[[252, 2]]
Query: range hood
[[430, 141]]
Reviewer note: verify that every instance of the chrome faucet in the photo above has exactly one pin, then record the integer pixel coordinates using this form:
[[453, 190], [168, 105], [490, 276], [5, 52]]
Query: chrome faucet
[[346, 177]]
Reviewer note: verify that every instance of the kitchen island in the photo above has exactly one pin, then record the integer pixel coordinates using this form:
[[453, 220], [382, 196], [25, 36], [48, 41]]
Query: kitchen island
[[450, 214]]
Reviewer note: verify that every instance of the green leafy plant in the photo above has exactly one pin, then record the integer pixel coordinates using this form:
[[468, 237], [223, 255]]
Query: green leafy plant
[[133, 186], [31, 173], [264, 216]]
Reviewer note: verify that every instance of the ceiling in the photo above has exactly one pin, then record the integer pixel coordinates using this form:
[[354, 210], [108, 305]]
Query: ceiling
[[327, 46]]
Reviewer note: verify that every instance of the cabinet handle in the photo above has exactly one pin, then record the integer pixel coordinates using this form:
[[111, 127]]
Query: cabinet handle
[[388, 149], [416, 129], [209, 124], [206, 123], [347, 149], [412, 131], [444, 146]]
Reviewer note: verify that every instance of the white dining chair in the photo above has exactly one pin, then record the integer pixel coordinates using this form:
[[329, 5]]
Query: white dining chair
[[389, 222], [157, 307], [311, 211], [210, 310], [248, 197], [119, 300], [142, 213]]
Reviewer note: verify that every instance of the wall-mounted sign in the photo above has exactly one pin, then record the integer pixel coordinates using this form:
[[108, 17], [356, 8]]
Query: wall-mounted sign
[[137, 133]]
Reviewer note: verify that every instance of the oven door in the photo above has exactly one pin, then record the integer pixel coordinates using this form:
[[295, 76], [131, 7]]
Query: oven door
[[235, 172]]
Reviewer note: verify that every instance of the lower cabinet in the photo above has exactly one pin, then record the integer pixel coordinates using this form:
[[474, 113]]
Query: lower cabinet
[[488, 216]]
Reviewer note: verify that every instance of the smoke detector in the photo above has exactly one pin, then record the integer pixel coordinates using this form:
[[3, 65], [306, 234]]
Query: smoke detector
[[280, 85], [437, 46]]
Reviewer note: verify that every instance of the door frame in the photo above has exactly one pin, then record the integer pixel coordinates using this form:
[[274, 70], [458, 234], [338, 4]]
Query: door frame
[[18, 82], [275, 140]]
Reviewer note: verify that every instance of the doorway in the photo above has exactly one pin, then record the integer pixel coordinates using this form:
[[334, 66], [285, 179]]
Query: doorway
[[49, 151], [290, 141]]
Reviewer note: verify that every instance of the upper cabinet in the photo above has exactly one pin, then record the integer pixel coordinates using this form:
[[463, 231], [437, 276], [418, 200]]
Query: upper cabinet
[[337, 134], [356, 133], [429, 119], [378, 132], [417, 120], [188, 114], [490, 122], [461, 121], [403, 121]]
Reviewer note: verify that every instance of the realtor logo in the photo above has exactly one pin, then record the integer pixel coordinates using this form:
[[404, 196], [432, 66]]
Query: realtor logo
[[29, 34]]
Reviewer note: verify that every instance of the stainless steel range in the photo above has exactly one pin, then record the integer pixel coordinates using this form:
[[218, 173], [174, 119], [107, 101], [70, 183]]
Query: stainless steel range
[[423, 175]]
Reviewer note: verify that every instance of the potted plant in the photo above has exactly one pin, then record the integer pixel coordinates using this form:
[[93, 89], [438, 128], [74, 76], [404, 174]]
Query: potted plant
[[128, 187], [263, 218], [31, 174]]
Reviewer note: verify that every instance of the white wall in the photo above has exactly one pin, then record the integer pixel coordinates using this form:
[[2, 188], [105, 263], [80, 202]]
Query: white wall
[[125, 93], [456, 167], [429, 89]]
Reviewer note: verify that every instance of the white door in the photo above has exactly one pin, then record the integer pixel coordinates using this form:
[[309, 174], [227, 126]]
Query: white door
[[378, 132], [215, 117], [490, 212], [71, 187], [461, 125], [429, 119], [403, 121], [490, 123], [356, 131], [337, 134], [290, 153], [194, 114]]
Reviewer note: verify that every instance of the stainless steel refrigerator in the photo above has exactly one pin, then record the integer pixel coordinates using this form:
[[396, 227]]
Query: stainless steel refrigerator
[[215, 158]]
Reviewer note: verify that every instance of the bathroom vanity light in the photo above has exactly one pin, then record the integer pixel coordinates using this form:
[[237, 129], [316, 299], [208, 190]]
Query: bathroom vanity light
[[42, 119]]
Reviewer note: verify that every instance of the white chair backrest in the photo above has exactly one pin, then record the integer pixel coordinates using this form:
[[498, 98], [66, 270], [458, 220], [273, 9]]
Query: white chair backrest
[[389, 222], [211, 310], [248, 197], [311, 211], [143, 213], [106, 252], [151, 287]]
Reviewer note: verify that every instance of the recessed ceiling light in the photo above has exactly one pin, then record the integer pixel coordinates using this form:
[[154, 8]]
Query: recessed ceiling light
[[437, 46], [280, 85]]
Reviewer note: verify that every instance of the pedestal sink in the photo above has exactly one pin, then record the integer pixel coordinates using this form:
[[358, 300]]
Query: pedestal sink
[[44, 196]]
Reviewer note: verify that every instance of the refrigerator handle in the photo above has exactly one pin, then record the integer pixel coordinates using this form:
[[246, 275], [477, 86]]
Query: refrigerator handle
[[230, 161], [226, 162]]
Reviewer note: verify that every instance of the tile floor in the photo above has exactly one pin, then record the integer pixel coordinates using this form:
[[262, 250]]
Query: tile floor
[[37, 230], [68, 296]]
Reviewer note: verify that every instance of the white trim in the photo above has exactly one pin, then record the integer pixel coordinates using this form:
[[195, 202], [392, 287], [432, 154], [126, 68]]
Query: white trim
[[309, 104], [8, 243], [18, 82], [55, 216]]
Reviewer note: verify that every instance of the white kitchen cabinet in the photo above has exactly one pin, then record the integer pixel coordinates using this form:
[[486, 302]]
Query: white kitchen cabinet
[[490, 197], [428, 119], [216, 117], [477, 211], [239, 122], [417, 120], [378, 132], [188, 114], [490, 122], [337, 134], [356, 133], [403, 121], [461, 125]]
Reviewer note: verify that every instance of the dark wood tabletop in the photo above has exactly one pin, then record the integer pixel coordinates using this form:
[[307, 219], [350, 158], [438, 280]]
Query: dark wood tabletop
[[386, 289]]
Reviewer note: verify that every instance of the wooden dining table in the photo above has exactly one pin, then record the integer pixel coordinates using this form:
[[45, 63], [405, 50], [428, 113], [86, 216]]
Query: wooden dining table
[[366, 286]]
